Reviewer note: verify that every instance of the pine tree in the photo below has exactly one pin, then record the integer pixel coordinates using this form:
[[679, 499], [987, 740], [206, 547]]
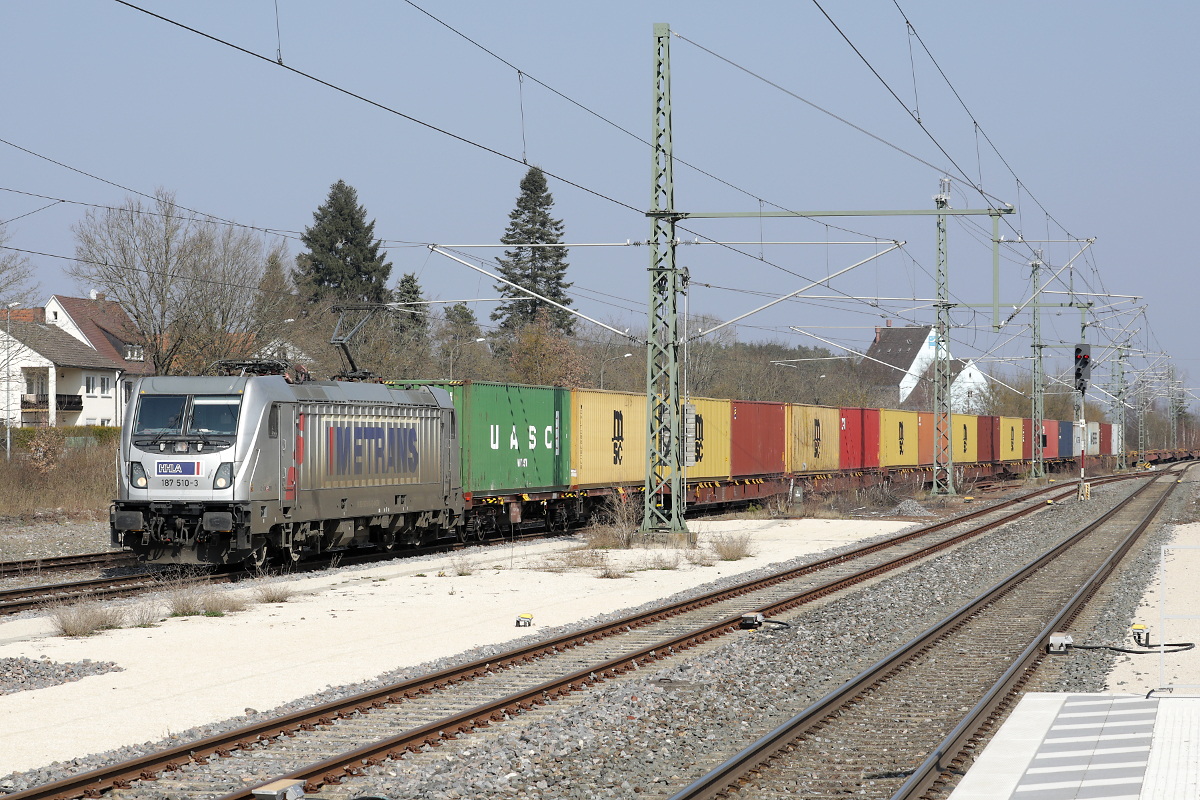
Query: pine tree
[[411, 320], [539, 269], [343, 263]]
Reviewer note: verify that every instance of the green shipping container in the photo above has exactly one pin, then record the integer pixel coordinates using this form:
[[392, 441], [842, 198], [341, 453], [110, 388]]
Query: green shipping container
[[515, 439]]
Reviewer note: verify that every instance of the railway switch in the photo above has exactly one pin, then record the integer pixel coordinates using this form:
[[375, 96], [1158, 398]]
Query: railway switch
[[1141, 635], [752, 621], [283, 789], [524, 620], [1059, 643]]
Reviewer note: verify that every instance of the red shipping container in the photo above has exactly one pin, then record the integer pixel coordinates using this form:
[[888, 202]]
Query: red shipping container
[[870, 437], [989, 434], [850, 437], [1050, 431], [759, 437], [1026, 439], [1106, 438], [924, 439]]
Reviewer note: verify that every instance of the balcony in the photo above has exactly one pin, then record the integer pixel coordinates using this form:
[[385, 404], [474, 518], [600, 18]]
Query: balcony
[[41, 402]]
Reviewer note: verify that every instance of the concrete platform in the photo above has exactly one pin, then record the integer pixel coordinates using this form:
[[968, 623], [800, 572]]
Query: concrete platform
[[1068, 746]]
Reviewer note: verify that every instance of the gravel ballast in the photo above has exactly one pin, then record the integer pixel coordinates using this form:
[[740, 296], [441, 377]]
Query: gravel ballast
[[652, 732], [22, 674]]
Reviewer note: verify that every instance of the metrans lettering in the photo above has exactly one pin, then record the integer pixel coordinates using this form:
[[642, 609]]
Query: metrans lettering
[[372, 449]]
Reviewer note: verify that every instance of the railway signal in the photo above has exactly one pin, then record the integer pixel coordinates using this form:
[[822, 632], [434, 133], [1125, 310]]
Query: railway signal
[[1083, 366]]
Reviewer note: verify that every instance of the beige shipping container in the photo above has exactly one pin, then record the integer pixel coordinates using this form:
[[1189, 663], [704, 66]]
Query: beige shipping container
[[899, 441], [964, 429], [1012, 438], [812, 436], [609, 438], [714, 420]]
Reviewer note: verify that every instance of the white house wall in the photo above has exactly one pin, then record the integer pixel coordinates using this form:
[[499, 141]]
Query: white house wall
[[18, 357], [921, 363], [57, 315], [968, 390]]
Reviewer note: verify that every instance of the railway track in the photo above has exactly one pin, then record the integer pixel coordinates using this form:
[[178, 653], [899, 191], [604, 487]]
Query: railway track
[[42, 566], [897, 729], [26, 598], [313, 743]]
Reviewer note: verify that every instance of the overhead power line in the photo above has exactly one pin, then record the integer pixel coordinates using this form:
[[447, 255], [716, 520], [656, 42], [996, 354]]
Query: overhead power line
[[371, 102]]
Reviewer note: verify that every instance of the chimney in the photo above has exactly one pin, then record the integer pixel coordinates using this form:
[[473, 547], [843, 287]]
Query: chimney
[[100, 297], [889, 322], [876, 334], [92, 294]]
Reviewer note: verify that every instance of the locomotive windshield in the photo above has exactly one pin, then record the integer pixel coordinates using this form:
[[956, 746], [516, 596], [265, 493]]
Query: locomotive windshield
[[215, 414], [173, 414], [160, 413]]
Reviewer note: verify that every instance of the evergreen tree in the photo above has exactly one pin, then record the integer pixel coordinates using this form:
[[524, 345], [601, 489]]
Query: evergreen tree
[[539, 269], [343, 263], [412, 320]]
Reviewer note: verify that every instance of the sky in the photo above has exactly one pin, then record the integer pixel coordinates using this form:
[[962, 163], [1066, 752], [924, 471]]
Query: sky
[[1080, 115]]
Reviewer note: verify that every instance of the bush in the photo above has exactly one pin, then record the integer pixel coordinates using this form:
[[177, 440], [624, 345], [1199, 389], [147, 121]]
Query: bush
[[732, 546], [85, 618], [101, 436], [279, 592]]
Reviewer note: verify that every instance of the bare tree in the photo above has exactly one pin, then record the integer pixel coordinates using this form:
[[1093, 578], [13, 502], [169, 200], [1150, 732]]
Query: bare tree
[[144, 256], [16, 274]]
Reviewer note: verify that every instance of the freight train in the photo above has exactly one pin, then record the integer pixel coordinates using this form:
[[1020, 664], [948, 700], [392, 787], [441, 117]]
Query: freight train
[[244, 469]]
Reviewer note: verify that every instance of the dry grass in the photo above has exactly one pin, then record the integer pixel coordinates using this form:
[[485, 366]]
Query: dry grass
[[610, 570], [462, 565], [85, 618], [700, 557], [80, 481], [732, 546], [661, 559], [279, 592], [218, 603], [576, 558], [144, 615]]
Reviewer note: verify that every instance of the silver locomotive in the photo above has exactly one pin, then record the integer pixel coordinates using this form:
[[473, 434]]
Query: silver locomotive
[[227, 470]]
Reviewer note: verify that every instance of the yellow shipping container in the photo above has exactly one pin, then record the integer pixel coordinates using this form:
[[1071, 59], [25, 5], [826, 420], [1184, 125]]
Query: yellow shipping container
[[608, 438], [898, 438], [812, 436], [1012, 438], [713, 439], [964, 430]]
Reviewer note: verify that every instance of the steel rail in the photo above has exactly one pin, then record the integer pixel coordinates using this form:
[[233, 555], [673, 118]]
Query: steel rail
[[718, 781], [147, 767], [111, 558], [349, 764], [1004, 691]]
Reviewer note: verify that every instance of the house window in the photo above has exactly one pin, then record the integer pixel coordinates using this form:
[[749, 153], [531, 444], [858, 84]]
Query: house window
[[128, 390], [54, 316], [89, 388], [30, 388], [90, 421], [135, 352], [106, 422], [105, 386]]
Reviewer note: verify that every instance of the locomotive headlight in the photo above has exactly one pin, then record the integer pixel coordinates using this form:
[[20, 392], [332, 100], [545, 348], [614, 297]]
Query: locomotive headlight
[[224, 476], [137, 475]]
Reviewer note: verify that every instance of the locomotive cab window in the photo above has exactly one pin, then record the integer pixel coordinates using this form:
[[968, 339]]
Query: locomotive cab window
[[160, 413], [214, 414], [273, 422]]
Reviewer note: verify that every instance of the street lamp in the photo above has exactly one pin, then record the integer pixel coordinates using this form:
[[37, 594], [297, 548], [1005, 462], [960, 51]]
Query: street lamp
[[8, 382], [605, 361]]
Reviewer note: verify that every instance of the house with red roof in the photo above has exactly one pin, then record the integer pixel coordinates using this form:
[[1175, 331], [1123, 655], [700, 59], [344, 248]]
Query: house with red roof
[[72, 362]]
